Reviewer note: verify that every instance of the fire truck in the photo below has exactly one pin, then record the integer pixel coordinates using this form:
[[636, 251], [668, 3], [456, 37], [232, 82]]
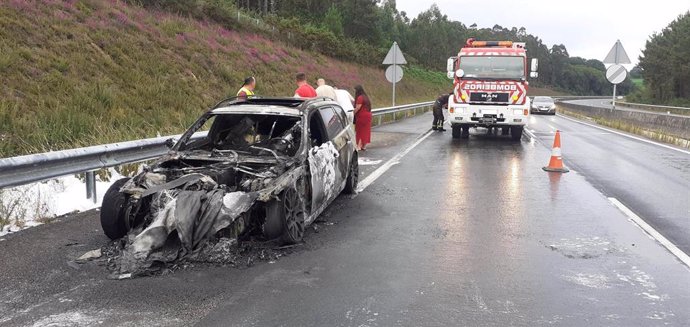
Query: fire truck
[[490, 88]]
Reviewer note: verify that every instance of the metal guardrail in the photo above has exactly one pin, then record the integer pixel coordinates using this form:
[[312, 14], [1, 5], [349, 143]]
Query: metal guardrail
[[32, 168], [655, 108], [390, 114]]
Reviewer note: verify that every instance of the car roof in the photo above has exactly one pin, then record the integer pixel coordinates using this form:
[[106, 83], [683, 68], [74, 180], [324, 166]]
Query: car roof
[[543, 98], [271, 106]]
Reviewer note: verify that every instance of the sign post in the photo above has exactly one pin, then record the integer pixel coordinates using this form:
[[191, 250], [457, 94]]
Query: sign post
[[394, 73], [616, 73]]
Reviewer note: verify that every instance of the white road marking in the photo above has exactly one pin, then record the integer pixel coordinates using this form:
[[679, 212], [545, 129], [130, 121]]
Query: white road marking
[[529, 133], [626, 135], [363, 161], [390, 163], [678, 253]]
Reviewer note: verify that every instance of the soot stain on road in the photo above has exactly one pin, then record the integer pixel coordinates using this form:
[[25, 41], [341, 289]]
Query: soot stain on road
[[218, 252]]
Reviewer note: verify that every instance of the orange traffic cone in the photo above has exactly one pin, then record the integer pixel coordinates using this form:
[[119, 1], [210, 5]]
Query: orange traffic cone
[[556, 162]]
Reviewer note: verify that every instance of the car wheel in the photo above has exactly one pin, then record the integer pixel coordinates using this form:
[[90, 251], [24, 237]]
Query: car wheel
[[285, 218], [113, 211], [516, 133], [353, 176]]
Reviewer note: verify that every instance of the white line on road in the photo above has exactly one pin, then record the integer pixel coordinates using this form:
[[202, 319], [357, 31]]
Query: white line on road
[[684, 258], [390, 163], [624, 134]]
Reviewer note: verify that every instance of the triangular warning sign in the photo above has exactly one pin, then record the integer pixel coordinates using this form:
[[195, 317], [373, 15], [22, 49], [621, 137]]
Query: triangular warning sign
[[395, 56], [617, 55]]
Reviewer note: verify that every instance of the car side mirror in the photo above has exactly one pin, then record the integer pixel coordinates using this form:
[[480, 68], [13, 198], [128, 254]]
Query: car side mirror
[[534, 65], [170, 143], [533, 74]]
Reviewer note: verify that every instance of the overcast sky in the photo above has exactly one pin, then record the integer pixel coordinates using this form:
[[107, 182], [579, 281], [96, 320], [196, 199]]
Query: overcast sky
[[588, 28]]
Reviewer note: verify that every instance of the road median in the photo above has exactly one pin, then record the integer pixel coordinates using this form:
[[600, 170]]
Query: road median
[[671, 129]]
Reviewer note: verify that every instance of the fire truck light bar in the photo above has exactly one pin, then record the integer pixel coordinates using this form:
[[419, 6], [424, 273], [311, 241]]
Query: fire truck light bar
[[486, 44]]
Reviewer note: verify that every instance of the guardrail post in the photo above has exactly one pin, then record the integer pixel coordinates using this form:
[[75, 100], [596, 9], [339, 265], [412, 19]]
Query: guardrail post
[[91, 186]]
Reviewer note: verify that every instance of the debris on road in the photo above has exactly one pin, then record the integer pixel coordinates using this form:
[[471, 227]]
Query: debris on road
[[88, 256]]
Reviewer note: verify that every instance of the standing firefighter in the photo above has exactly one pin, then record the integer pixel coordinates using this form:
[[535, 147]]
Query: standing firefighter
[[440, 103]]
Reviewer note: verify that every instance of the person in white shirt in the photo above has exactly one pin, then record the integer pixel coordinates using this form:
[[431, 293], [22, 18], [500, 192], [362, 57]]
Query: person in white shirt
[[325, 90], [346, 101]]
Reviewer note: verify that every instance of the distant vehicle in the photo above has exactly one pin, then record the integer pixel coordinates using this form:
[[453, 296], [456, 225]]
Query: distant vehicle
[[543, 105], [266, 166], [490, 87]]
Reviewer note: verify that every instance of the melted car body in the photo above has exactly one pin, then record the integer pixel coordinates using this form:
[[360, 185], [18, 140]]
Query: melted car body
[[269, 166]]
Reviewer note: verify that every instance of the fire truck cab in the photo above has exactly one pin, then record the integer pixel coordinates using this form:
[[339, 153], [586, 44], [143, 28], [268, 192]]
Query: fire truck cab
[[490, 88]]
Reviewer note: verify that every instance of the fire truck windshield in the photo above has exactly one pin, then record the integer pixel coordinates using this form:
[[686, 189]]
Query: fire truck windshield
[[493, 67]]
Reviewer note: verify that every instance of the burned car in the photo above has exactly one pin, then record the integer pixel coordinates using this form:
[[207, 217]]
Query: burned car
[[256, 166]]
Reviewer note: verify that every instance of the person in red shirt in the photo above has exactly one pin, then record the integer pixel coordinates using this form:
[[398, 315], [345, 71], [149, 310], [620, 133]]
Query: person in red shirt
[[362, 118], [304, 90]]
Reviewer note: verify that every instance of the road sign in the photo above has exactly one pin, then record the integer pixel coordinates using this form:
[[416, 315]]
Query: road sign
[[616, 74], [394, 56], [617, 55], [394, 73]]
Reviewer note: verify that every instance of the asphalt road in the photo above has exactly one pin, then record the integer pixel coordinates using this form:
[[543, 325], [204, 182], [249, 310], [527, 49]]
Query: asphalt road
[[457, 233], [651, 180]]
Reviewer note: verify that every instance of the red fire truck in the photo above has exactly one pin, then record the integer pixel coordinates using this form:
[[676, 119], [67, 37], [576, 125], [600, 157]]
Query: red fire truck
[[490, 88]]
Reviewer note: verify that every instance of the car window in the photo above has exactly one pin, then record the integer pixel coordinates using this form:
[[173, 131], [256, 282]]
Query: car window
[[543, 99], [341, 114], [333, 124]]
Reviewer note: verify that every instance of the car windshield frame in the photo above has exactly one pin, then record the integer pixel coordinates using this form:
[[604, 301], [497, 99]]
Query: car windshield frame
[[186, 139], [501, 67]]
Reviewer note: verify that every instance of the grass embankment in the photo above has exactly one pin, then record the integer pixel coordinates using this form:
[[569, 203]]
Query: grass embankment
[[84, 72]]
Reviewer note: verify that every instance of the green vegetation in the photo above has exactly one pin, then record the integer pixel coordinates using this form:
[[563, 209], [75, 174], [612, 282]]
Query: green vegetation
[[371, 26], [638, 82], [665, 66], [78, 73]]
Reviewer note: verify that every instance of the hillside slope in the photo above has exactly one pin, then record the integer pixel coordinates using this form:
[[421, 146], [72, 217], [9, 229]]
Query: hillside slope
[[84, 72]]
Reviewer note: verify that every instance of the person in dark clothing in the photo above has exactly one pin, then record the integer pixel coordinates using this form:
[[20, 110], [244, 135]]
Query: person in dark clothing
[[440, 103]]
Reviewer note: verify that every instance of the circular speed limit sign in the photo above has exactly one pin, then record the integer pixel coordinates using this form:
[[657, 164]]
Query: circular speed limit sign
[[616, 74]]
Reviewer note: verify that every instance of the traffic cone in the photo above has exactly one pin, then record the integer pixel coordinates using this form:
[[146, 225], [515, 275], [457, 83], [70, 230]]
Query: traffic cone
[[556, 162]]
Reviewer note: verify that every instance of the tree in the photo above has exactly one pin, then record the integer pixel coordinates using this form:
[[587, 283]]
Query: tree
[[333, 20], [664, 62]]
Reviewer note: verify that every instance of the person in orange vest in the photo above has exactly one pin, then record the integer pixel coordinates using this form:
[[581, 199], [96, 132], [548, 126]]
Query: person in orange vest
[[247, 89]]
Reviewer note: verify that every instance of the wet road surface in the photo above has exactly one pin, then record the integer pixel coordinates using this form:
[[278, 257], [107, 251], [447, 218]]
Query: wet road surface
[[653, 181], [458, 233]]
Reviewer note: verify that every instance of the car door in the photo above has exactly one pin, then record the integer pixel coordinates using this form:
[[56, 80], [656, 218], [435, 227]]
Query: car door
[[325, 156], [344, 141]]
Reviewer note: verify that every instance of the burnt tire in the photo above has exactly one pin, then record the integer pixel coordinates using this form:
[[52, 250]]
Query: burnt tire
[[113, 211], [352, 176], [285, 218]]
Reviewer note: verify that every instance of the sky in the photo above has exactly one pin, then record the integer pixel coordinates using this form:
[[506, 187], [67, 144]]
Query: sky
[[588, 28]]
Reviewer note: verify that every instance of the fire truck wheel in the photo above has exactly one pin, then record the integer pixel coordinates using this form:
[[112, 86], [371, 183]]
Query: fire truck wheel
[[465, 132], [456, 132], [516, 133]]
